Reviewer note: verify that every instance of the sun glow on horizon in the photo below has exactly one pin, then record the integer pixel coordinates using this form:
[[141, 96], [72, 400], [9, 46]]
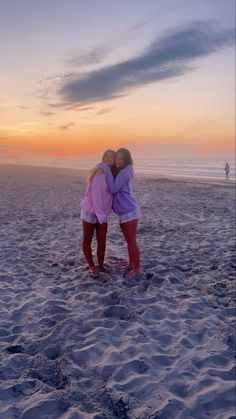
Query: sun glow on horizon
[[143, 85]]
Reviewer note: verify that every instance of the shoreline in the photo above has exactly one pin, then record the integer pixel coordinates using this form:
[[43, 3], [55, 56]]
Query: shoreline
[[158, 176]]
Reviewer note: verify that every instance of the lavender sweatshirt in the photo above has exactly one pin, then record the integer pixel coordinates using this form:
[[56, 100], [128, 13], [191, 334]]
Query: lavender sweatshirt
[[123, 200], [98, 199]]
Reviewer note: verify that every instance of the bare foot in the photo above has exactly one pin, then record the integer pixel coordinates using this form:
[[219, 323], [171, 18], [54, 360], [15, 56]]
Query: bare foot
[[132, 272], [126, 267], [104, 268], [93, 272]]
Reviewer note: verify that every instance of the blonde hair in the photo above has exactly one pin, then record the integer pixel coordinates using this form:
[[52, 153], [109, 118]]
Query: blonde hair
[[92, 172], [95, 170], [108, 152]]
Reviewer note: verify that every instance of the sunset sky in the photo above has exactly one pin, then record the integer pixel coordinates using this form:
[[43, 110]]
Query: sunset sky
[[80, 76]]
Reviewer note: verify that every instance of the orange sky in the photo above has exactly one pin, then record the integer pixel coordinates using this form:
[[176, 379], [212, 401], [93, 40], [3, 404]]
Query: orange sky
[[82, 92]]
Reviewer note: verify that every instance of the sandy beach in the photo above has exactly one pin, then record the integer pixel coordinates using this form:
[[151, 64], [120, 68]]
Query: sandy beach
[[158, 346]]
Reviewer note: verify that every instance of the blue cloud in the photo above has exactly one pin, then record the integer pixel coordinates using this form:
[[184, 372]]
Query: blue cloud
[[86, 57], [170, 56]]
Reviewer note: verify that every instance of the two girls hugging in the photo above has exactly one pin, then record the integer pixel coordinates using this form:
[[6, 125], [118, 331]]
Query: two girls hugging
[[109, 188]]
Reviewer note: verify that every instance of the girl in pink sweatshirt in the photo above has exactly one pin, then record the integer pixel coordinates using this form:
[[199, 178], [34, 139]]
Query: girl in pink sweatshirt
[[95, 207]]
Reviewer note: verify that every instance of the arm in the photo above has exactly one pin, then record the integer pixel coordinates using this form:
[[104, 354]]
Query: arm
[[116, 184], [97, 188], [92, 173]]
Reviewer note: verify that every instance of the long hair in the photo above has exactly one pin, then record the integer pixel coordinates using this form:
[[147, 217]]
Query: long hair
[[127, 159], [108, 152], [92, 172], [126, 155]]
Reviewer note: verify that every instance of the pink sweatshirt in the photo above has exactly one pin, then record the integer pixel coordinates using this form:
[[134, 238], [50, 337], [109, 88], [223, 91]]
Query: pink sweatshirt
[[98, 199]]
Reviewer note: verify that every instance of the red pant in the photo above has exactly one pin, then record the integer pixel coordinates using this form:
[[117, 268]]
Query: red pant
[[101, 233], [129, 230]]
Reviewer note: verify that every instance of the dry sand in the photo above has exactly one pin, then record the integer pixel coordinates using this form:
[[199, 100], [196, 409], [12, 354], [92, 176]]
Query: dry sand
[[161, 346]]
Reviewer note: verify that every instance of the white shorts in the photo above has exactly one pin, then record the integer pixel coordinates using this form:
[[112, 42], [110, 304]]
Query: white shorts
[[132, 215], [89, 217]]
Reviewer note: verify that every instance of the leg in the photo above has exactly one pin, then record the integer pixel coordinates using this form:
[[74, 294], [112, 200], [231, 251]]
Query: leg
[[101, 234], [129, 230], [128, 266], [88, 231]]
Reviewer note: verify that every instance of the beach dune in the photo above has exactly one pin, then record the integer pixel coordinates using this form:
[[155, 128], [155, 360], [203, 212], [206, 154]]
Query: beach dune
[[158, 346]]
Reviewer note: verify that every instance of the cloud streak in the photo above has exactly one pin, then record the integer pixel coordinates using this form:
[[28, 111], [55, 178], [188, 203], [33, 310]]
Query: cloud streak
[[67, 126], [46, 113], [71, 107], [3, 76], [103, 111], [170, 56], [86, 57]]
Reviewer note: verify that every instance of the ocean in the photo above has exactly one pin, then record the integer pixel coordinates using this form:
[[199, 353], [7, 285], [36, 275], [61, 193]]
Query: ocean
[[186, 167], [200, 168]]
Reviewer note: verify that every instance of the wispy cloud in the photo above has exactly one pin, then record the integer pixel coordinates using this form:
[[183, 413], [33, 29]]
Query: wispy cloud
[[67, 126], [85, 57], [4, 145], [46, 113], [86, 108], [103, 111], [71, 107], [22, 107], [9, 156], [144, 23], [3, 76], [8, 103], [167, 57]]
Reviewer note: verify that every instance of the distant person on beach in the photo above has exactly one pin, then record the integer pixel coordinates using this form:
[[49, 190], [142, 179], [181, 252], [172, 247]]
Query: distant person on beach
[[95, 207], [124, 205], [227, 169]]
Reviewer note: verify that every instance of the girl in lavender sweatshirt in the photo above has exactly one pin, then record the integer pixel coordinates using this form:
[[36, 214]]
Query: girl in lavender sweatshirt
[[95, 207], [124, 204]]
